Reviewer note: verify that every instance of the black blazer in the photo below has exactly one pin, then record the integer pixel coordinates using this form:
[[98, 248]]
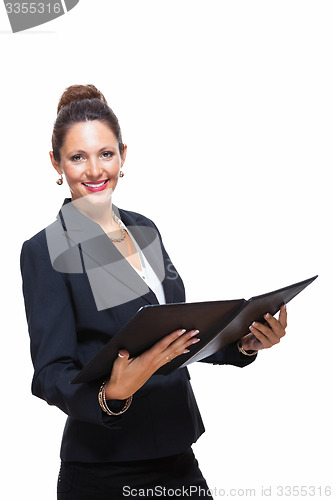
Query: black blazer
[[67, 329]]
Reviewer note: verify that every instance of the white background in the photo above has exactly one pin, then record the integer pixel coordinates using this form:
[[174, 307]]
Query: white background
[[226, 107]]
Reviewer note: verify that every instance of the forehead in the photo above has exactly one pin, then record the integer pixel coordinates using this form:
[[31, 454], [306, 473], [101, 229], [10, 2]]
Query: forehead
[[89, 135]]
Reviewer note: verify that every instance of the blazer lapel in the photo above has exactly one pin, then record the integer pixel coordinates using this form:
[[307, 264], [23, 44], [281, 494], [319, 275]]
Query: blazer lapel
[[150, 243], [148, 240], [112, 278]]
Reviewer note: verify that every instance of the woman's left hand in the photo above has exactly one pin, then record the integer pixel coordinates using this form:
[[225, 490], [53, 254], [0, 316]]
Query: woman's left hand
[[265, 336]]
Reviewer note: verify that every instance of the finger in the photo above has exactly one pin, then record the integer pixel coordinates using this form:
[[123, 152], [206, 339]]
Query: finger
[[264, 334], [120, 363], [175, 339], [275, 325], [263, 339], [183, 342], [169, 357], [122, 360], [167, 340], [123, 354], [180, 346], [283, 316]]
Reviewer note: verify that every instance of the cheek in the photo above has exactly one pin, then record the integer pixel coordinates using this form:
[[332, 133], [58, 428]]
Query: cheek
[[114, 167], [72, 175]]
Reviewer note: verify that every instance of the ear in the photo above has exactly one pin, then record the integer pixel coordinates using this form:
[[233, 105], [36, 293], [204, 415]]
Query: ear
[[123, 156], [55, 164]]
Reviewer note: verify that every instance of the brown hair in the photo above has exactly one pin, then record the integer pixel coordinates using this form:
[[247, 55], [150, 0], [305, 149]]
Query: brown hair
[[82, 103]]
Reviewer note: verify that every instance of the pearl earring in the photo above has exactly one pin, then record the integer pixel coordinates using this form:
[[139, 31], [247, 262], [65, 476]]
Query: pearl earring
[[60, 181], [121, 173]]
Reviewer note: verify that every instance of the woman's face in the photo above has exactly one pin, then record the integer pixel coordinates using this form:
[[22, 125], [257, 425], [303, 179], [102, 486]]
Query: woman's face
[[90, 160]]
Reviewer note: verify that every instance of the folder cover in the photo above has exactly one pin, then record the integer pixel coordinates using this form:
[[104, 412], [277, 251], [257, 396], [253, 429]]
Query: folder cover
[[220, 323]]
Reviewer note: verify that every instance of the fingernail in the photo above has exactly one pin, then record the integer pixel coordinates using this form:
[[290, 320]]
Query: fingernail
[[194, 341], [267, 315], [120, 355], [181, 332], [194, 333], [186, 351], [254, 324], [284, 306]]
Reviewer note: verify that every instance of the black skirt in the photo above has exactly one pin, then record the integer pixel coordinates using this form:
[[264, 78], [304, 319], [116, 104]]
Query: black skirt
[[178, 476]]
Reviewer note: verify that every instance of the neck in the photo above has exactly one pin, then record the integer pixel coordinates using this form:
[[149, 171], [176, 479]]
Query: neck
[[101, 213]]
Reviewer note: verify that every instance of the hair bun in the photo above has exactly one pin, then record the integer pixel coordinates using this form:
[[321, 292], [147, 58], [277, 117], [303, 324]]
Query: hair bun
[[78, 93]]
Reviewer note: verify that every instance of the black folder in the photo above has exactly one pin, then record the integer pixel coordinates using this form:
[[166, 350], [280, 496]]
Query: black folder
[[220, 323]]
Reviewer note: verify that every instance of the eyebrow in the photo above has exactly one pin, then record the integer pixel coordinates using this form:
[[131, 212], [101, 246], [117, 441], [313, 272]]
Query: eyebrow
[[81, 151]]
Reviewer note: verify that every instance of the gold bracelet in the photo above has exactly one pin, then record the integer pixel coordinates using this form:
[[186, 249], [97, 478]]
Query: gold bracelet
[[103, 403], [240, 348]]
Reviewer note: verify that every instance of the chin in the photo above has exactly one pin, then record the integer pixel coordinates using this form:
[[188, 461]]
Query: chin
[[98, 198]]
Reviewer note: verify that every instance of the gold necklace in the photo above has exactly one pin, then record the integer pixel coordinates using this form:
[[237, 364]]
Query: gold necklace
[[121, 227]]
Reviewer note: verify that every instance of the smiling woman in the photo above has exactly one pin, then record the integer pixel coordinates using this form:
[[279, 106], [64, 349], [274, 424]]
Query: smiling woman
[[84, 277], [95, 168], [84, 118]]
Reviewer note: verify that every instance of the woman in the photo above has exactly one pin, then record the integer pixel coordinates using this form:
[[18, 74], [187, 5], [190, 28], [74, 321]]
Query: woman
[[84, 277]]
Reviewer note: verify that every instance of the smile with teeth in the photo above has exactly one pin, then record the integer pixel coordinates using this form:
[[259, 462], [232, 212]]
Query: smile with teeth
[[95, 185]]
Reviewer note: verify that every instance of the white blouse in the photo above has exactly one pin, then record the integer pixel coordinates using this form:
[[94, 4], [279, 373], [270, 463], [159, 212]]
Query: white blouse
[[147, 273]]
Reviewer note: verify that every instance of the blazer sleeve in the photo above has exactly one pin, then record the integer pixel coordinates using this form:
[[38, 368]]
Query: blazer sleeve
[[230, 355], [53, 340]]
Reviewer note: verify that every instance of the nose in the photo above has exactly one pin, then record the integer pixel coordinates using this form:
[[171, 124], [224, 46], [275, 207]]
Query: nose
[[93, 168]]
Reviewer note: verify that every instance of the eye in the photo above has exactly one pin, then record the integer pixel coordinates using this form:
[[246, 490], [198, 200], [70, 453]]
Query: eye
[[107, 154], [77, 158]]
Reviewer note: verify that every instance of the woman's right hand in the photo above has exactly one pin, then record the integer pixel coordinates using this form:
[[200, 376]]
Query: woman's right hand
[[128, 375]]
